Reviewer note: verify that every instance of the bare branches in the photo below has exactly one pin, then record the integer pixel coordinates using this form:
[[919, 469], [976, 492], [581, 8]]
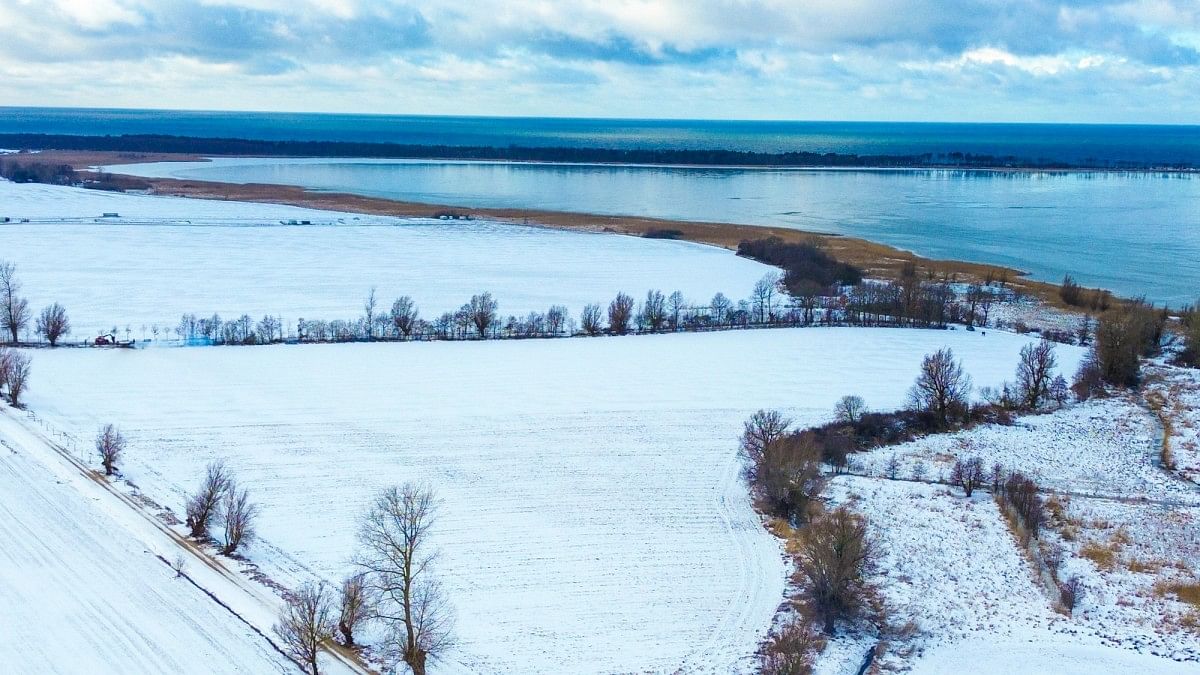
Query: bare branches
[[590, 319], [1034, 374], [833, 558], [620, 311], [481, 311], [763, 428], [849, 409], [14, 310], [942, 387], [968, 474], [404, 316], [354, 606], [369, 314], [397, 560], [14, 374], [305, 621], [110, 445], [238, 513], [52, 323], [202, 506]]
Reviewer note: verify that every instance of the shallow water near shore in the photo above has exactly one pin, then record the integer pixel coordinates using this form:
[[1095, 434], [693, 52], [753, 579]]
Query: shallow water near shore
[[1134, 233]]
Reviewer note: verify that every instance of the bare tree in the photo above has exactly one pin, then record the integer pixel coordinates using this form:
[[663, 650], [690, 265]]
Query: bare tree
[[14, 310], [354, 607], [404, 316], [1035, 371], [202, 506], [620, 311], [238, 513], [764, 296], [721, 307], [893, 467], [481, 311], [16, 376], [52, 323], [834, 555], [369, 314], [849, 409], [305, 621], [968, 474], [398, 563], [110, 444], [590, 319], [556, 319], [762, 429], [676, 303], [942, 387], [654, 310]]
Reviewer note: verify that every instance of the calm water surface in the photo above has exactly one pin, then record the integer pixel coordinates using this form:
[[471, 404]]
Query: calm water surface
[[1135, 233]]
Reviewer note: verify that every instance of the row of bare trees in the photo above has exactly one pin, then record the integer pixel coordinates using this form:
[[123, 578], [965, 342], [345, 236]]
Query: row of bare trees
[[52, 323], [394, 585]]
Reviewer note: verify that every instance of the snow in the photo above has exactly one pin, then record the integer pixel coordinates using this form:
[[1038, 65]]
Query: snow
[[81, 593], [1104, 446], [953, 577], [593, 516], [166, 256], [1039, 657], [949, 565], [1179, 389]]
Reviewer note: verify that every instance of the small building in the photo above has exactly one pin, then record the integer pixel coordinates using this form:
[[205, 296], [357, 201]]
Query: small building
[[110, 214]]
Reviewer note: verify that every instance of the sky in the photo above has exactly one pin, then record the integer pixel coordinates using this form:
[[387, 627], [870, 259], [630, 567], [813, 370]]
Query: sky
[[1119, 61]]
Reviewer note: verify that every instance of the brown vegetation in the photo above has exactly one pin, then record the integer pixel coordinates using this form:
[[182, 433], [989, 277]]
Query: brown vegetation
[[834, 555]]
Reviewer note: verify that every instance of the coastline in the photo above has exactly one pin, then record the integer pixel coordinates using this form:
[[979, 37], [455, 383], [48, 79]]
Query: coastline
[[875, 258]]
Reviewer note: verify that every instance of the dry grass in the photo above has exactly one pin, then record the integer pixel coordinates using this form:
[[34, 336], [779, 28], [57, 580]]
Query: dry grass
[[1143, 566], [1103, 555]]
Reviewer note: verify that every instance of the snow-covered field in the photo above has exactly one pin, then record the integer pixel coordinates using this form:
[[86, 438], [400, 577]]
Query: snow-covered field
[[960, 590], [1104, 446], [594, 519], [166, 256], [79, 593]]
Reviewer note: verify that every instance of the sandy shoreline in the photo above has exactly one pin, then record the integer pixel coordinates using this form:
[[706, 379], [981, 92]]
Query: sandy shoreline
[[876, 258]]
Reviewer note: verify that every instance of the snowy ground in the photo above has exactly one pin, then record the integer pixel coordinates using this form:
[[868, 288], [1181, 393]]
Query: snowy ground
[[166, 256], [1104, 446], [954, 580], [594, 519], [80, 592], [1179, 389]]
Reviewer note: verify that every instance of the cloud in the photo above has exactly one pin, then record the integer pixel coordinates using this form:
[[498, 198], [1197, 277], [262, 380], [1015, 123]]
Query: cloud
[[699, 58]]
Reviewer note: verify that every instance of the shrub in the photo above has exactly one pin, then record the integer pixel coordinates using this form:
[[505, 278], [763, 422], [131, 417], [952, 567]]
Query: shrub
[[801, 263], [790, 650], [968, 474], [834, 555], [662, 233], [1070, 593]]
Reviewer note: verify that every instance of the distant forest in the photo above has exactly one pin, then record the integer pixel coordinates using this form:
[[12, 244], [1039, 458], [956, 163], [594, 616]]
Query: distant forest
[[239, 146]]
